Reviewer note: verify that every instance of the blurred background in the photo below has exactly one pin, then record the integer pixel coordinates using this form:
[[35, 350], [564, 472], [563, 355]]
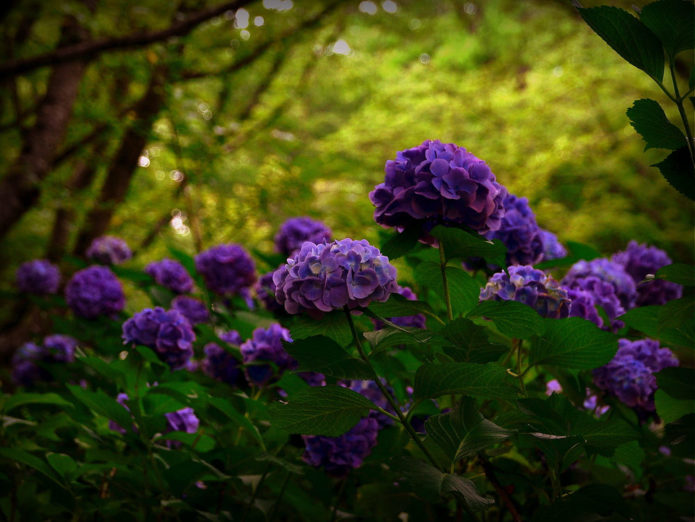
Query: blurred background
[[185, 124]]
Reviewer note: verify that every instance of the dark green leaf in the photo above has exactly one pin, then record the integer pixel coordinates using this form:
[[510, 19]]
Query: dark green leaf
[[671, 409], [459, 244], [226, 407], [463, 289], [63, 464], [129, 274], [649, 320], [630, 454], [511, 318], [333, 325], [109, 371], [400, 244], [629, 37], [602, 433], [149, 355], [677, 168], [573, 343], [329, 410], [399, 306], [199, 442], [470, 342], [679, 383], [673, 22], [389, 337], [489, 381], [323, 355], [649, 120], [26, 458], [35, 398], [678, 273], [593, 502], [100, 403]]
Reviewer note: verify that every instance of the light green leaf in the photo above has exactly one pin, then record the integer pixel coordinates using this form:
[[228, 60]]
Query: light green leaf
[[63, 464], [670, 409], [678, 273]]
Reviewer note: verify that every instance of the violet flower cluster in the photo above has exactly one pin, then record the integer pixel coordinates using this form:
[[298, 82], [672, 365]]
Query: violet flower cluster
[[295, 231], [519, 232], [608, 271], [167, 332], [265, 346], [630, 375], [530, 286], [193, 309], [589, 292], [552, 248], [170, 274], [28, 360], [95, 291], [219, 363], [437, 183], [330, 276], [109, 250], [39, 277], [642, 260], [226, 269]]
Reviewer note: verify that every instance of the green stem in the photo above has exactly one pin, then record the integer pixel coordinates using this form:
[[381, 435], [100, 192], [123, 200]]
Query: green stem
[[447, 298], [279, 499], [386, 393], [684, 116], [517, 345]]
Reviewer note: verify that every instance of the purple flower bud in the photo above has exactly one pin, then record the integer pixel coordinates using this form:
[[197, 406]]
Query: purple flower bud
[[519, 232], [194, 309], [219, 363], [640, 261], [266, 346], [607, 271], [552, 248], [226, 269], [170, 274], [589, 292], [38, 277], [436, 183], [529, 286], [329, 276], [265, 290], [295, 231], [95, 291], [109, 250]]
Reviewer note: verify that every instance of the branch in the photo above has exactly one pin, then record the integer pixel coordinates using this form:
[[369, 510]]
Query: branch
[[91, 49]]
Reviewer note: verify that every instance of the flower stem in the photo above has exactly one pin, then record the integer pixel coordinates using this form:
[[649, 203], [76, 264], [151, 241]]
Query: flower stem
[[447, 298], [386, 393], [679, 103]]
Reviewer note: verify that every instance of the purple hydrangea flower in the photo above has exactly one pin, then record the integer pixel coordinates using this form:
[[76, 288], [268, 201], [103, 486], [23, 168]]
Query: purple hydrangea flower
[[607, 271], [167, 332], [313, 378], [329, 276], [588, 292], [38, 277], [266, 346], [642, 260], [338, 455], [194, 309], [109, 250], [371, 390], [519, 232], [295, 231], [60, 348], [530, 286], [437, 183], [649, 352], [28, 359], [227, 269], [265, 290], [219, 363], [591, 403], [552, 248], [170, 274], [553, 386], [182, 420], [95, 291]]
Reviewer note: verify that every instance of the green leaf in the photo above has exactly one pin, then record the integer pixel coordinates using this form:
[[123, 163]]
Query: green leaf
[[672, 22], [649, 120], [20, 399], [203, 443], [679, 383], [399, 306], [593, 502], [573, 343], [470, 342], [389, 337], [109, 371], [512, 318], [149, 355], [630, 454], [678, 273], [489, 381], [63, 464], [323, 355], [459, 244], [650, 320], [629, 37], [677, 168], [602, 433], [328, 410], [671, 409], [333, 325], [26, 458], [102, 404], [226, 407], [399, 245], [464, 291]]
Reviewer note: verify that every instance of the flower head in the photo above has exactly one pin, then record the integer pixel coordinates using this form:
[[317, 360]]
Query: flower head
[[95, 291], [552, 248], [295, 231], [170, 274], [109, 250], [226, 269], [588, 292], [607, 271], [266, 346], [194, 309], [38, 277], [329, 276], [519, 232], [182, 420], [219, 363]]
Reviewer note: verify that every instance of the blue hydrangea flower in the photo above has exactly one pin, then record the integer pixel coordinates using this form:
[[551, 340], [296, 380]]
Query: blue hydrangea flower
[[552, 248], [437, 183], [219, 363], [109, 250], [589, 292], [519, 232], [226, 269], [266, 346], [168, 333], [530, 286], [194, 309], [329, 276], [641, 260], [38, 277], [95, 291], [295, 231], [170, 274], [607, 271]]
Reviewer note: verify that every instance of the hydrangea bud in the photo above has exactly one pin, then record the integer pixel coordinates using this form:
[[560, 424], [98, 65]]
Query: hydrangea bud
[[226, 269], [167, 332], [193, 309], [589, 292], [266, 346], [170, 274], [330, 276], [265, 290], [519, 232], [530, 286], [38, 277], [608, 271], [642, 260], [437, 183], [219, 363], [295, 231], [109, 250], [552, 248], [95, 291]]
